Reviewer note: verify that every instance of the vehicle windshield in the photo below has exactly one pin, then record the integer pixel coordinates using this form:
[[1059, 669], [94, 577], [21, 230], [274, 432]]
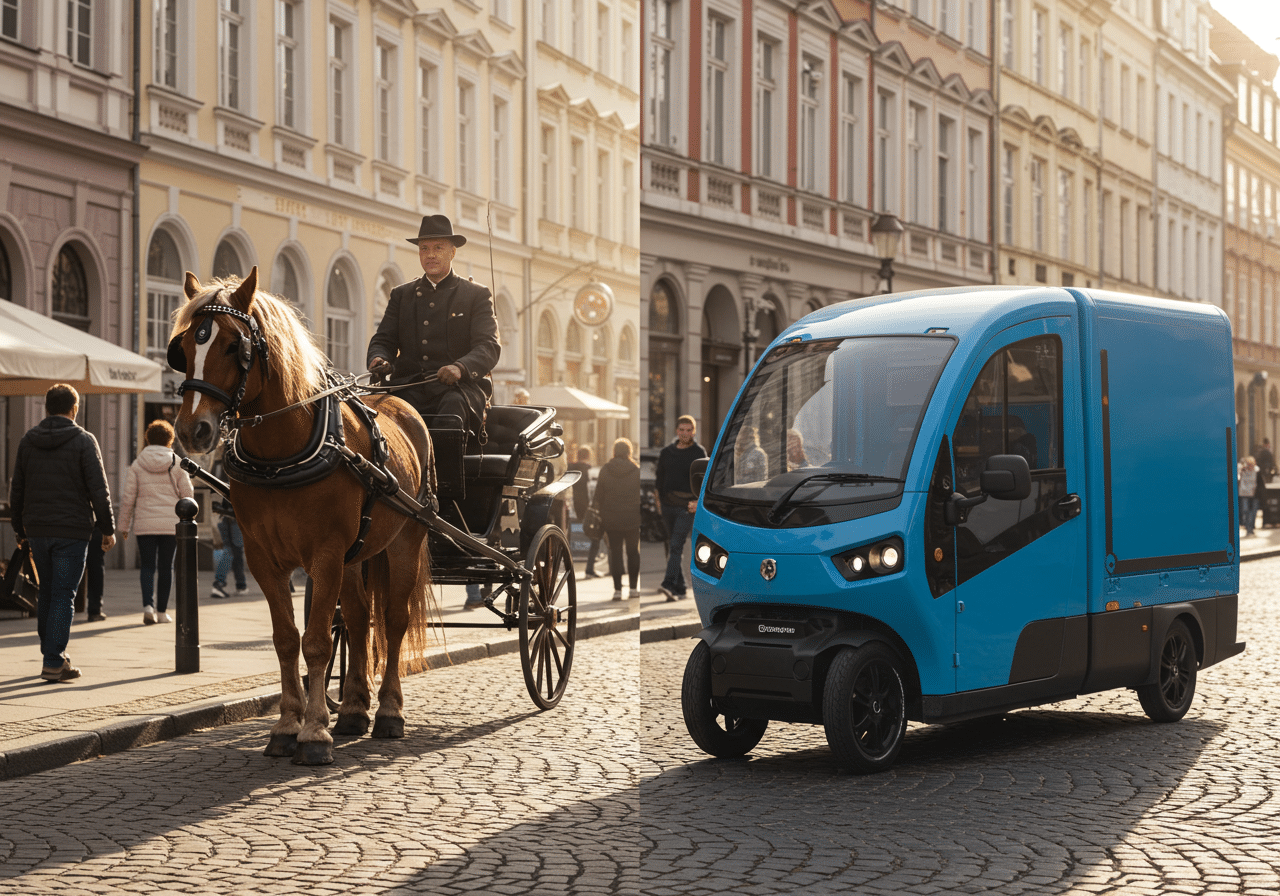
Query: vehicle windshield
[[824, 430]]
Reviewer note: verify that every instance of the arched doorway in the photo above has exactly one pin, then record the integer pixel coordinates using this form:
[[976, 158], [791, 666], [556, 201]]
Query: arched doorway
[[664, 364], [720, 352]]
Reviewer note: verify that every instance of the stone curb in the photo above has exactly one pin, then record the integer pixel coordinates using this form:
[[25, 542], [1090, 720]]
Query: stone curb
[[1259, 555], [118, 736]]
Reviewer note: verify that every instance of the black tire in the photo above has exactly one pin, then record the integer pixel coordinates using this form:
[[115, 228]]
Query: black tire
[[548, 617], [1170, 697], [715, 732], [864, 707]]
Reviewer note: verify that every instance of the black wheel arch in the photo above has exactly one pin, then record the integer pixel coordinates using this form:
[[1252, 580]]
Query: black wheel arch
[[1162, 617]]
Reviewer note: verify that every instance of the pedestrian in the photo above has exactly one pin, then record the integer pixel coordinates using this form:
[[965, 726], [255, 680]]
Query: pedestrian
[[153, 486], [677, 501], [582, 502], [440, 332], [1266, 461], [751, 464], [795, 450], [617, 500], [1248, 494], [231, 557], [95, 572], [58, 494]]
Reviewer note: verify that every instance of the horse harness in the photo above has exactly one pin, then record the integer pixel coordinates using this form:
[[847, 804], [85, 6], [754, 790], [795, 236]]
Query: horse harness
[[325, 450]]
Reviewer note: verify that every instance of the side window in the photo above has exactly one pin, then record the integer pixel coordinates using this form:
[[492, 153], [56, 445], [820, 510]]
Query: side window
[[1015, 407]]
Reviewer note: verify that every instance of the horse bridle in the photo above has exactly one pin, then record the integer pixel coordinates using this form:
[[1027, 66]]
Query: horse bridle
[[177, 358]]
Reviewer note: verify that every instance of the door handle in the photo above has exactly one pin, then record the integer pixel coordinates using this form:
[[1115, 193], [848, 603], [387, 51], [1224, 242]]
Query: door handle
[[1068, 508]]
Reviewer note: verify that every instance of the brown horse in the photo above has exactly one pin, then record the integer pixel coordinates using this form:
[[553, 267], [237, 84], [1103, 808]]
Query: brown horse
[[247, 354]]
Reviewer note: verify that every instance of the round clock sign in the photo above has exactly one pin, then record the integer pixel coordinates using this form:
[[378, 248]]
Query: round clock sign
[[593, 304]]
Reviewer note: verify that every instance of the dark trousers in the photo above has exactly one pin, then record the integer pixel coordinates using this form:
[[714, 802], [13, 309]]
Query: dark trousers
[[95, 573], [59, 563], [156, 553], [618, 538], [679, 522]]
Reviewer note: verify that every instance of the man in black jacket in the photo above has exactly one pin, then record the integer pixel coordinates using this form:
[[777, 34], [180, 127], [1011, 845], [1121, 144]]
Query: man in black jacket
[[59, 492], [677, 501], [439, 327]]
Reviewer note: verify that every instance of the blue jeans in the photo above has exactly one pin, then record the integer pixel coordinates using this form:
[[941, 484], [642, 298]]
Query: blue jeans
[[156, 554], [59, 563], [1248, 512], [679, 522], [231, 557]]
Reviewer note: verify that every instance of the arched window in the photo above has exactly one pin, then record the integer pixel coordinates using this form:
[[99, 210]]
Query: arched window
[[70, 290], [627, 346], [598, 377], [284, 280], [337, 319], [573, 355], [546, 349], [226, 261], [664, 364], [164, 289], [766, 324], [663, 316], [6, 275]]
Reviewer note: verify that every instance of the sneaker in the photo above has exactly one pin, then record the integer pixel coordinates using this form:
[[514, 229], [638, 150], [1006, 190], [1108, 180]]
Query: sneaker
[[65, 672], [163, 617], [97, 617], [218, 592], [473, 603], [149, 615], [671, 595], [617, 595], [633, 595], [590, 574], [241, 589]]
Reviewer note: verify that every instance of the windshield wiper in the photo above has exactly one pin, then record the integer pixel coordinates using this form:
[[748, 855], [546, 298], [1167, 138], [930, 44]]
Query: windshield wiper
[[776, 517]]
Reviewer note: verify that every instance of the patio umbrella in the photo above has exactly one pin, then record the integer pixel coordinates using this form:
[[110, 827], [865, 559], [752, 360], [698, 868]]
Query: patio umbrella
[[574, 404]]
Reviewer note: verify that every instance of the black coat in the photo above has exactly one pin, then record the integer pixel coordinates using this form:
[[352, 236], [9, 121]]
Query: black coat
[[426, 327], [59, 488], [617, 495]]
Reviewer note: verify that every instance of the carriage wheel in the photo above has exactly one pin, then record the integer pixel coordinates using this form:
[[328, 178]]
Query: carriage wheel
[[548, 617]]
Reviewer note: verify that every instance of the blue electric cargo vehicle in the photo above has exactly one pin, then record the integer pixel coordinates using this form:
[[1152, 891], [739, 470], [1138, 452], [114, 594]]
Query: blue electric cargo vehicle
[[939, 505]]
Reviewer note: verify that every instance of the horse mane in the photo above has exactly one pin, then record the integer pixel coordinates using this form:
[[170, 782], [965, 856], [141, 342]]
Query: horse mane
[[293, 355]]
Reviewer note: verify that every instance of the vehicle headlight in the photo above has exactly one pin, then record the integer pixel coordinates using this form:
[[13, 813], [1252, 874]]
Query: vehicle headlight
[[709, 557], [879, 558]]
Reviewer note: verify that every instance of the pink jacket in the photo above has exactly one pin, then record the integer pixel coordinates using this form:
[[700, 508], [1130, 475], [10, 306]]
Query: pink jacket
[[152, 487]]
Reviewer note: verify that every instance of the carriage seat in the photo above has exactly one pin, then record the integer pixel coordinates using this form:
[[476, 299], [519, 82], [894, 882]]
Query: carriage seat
[[485, 466]]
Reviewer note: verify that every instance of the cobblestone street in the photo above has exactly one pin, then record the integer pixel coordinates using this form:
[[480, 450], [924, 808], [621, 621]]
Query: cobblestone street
[[483, 795], [1081, 797]]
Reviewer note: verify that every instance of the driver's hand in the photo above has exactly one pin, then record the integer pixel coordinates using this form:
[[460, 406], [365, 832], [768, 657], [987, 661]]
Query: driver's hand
[[380, 367], [449, 374]]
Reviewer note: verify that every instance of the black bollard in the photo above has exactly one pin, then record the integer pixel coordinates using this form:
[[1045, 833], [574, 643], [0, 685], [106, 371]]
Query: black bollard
[[186, 583]]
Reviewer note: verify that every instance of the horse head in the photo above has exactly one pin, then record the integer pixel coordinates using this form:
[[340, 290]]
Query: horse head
[[218, 344]]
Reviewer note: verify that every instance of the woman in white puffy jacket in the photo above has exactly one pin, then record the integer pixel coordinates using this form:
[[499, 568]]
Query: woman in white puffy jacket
[[153, 486]]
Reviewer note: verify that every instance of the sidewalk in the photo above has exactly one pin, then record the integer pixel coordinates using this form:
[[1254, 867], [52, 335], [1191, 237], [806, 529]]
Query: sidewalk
[[130, 695]]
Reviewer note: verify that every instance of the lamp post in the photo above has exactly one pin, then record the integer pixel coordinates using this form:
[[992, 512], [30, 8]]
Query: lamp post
[[886, 235]]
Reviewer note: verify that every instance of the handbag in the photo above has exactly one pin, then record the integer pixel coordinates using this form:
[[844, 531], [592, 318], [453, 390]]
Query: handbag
[[592, 525]]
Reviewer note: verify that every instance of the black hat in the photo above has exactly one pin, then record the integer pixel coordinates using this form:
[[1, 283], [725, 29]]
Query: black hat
[[438, 227]]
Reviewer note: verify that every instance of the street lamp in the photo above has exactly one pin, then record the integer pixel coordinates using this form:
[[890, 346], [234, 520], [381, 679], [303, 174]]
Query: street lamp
[[886, 234]]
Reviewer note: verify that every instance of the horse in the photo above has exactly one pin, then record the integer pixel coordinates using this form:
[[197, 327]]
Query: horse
[[252, 368]]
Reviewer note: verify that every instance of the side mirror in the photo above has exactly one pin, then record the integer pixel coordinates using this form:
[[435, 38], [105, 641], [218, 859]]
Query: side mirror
[[1007, 477], [697, 473]]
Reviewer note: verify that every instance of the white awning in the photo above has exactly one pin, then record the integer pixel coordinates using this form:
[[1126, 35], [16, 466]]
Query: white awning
[[574, 404], [38, 351]]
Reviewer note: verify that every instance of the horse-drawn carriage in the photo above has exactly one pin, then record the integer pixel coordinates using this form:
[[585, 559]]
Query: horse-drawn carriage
[[349, 483]]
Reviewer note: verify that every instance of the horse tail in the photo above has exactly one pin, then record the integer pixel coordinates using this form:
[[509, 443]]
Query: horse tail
[[421, 608]]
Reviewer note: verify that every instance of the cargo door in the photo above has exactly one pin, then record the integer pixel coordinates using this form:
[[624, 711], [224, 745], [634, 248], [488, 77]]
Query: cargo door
[[1020, 565]]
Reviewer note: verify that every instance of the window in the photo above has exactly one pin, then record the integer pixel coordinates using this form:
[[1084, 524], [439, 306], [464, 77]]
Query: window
[[164, 288], [337, 319], [577, 177], [1037, 203], [810, 138], [166, 39], [70, 290], [80, 31], [886, 198], [1008, 28], [547, 172], [1144, 215], [6, 276], [718, 85], [427, 112], [630, 218], [604, 217], [975, 188], [9, 19], [1015, 407], [948, 20], [1140, 108], [1066, 42], [1126, 98], [1064, 215], [546, 349], [604, 41], [573, 355], [502, 10], [1007, 199], [1194, 161], [548, 18], [340, 131], [1038, 17], [853, 174], [1230, 191], [1082, 79], [917, 175], [975, 25], [289, 28], [226, 261], [767, 61], [1123, 243], [285, 282], [663, 32], [1104, 87], [946, 190], [1087, 221], [466, 130], [627, 71], [500, 158], [388, 111], [231, 33]]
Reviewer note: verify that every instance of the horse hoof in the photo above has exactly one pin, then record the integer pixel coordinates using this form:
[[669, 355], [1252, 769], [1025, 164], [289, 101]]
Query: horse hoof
[[354, 724], [313, 752], [281, 745], [388, 726]]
